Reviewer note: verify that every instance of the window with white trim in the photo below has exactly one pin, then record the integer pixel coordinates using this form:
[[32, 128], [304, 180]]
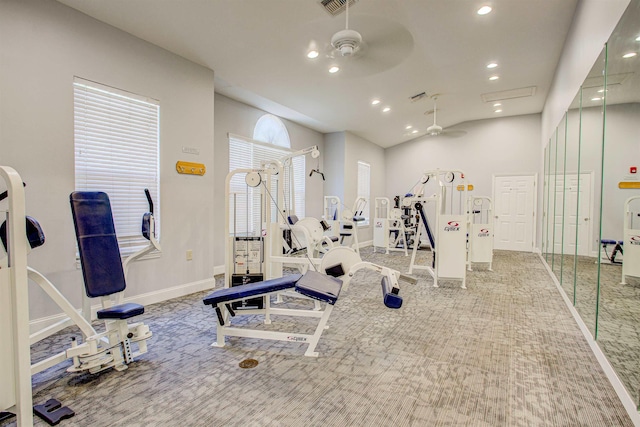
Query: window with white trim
[[245, 202], [364, 188], [117, 142]]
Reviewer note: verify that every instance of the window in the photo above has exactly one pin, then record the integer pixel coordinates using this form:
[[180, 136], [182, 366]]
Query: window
[[116, 136], [245, 203], [364, 188]]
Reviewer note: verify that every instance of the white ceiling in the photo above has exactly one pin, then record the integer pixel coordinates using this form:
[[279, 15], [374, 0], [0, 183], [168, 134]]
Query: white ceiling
[[257, 50]]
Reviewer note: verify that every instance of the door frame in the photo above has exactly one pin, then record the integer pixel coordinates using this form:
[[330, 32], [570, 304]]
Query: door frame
[[536, 187]]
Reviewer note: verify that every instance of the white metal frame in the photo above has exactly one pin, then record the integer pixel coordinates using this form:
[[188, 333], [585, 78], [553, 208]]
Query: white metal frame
[[15, 356], [480, 231], [226, 330], [450, 231], [631, 260], [388, 220]]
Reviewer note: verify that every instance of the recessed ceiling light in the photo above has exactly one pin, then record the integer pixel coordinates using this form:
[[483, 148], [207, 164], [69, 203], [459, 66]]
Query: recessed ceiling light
[[415, 131], [408, 127], [497, 104], [494, 78], [484, 10], [638, 39], [498, 111], [629, 55], [492, 65], [334, 69], [386, 109], [375, 102], [312, 54], [602, 91], [595, 99]]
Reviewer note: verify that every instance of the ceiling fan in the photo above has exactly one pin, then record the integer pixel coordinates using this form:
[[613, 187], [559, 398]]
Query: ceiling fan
[[435, 129], [378, 44], [346, 41]]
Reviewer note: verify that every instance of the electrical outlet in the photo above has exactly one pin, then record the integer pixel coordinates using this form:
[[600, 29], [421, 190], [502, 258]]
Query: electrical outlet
[[189, 255]]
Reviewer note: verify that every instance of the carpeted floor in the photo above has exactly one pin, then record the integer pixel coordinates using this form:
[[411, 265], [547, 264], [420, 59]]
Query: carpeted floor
[[504, 352]]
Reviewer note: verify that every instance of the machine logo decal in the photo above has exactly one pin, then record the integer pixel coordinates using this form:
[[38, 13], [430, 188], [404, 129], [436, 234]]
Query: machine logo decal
[[452, 226]]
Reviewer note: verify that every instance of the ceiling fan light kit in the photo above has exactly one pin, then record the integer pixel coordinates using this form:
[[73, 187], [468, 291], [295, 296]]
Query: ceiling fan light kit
[[346, 41]]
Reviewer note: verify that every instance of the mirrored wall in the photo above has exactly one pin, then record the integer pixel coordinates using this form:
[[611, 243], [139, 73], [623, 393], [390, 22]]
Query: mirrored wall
[[591, 201]]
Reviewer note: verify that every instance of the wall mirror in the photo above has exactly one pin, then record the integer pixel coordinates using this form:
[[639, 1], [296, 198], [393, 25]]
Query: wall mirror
[[591, 201]]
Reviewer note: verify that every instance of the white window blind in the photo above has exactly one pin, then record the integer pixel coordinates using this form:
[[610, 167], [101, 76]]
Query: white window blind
[[245, 153], [117, 141], [364, 188]]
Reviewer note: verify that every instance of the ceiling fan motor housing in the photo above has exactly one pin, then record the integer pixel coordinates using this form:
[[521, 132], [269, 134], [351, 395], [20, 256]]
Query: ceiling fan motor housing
[[346, 41], [434, 130]]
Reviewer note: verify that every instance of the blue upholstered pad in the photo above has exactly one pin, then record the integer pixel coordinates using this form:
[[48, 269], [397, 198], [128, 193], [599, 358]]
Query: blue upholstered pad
[[251, 289], [122, 311], [97, 243], [608, 241], [146, 225], [319, 286], [391, 300]]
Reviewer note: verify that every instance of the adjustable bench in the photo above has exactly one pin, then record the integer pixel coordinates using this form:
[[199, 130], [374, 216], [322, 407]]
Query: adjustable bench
[[311, 285]]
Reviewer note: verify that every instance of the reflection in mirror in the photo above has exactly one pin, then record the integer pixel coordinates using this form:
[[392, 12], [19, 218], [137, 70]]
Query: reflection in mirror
[[619, 313], [576, 232], [551, 200], [545, 205], [559, 194], [591, 134]]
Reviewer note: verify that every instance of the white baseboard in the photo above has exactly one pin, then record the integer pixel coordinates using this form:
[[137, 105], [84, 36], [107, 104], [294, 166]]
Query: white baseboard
[[218, 269], [365, 244], [144, 299]]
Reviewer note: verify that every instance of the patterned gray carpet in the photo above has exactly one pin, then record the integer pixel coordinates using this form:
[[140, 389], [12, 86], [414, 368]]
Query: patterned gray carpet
[[504, 352]]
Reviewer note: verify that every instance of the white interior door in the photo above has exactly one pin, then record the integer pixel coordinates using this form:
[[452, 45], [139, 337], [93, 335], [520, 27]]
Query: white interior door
[[572, 225], [514, 208]]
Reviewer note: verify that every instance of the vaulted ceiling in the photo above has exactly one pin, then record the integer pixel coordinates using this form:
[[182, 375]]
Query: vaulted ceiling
[[412, 51]]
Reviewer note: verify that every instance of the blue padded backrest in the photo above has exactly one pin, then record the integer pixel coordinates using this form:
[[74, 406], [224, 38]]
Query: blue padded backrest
[[97, 243], [146, 225]]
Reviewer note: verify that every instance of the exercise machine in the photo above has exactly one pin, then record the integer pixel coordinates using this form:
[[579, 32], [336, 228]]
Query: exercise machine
[[349, 223], [448, 240], [332, 213], [481, 231], [615, 255], [120, 343], [15, 352], [389, 230], [631, 233], [336, 270], [311, 286], [343, 262]]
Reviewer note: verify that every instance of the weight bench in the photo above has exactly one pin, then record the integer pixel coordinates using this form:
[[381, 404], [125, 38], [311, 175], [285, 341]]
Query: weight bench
[[311, 285], [617, 248]]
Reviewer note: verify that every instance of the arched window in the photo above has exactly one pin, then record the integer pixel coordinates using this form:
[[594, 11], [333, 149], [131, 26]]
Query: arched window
[[270, 141], [270, 128]]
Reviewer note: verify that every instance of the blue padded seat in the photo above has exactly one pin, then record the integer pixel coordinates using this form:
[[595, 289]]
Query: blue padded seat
[[122, 311], [251, 289], [608, 242], [391, 299], [319, 286]]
